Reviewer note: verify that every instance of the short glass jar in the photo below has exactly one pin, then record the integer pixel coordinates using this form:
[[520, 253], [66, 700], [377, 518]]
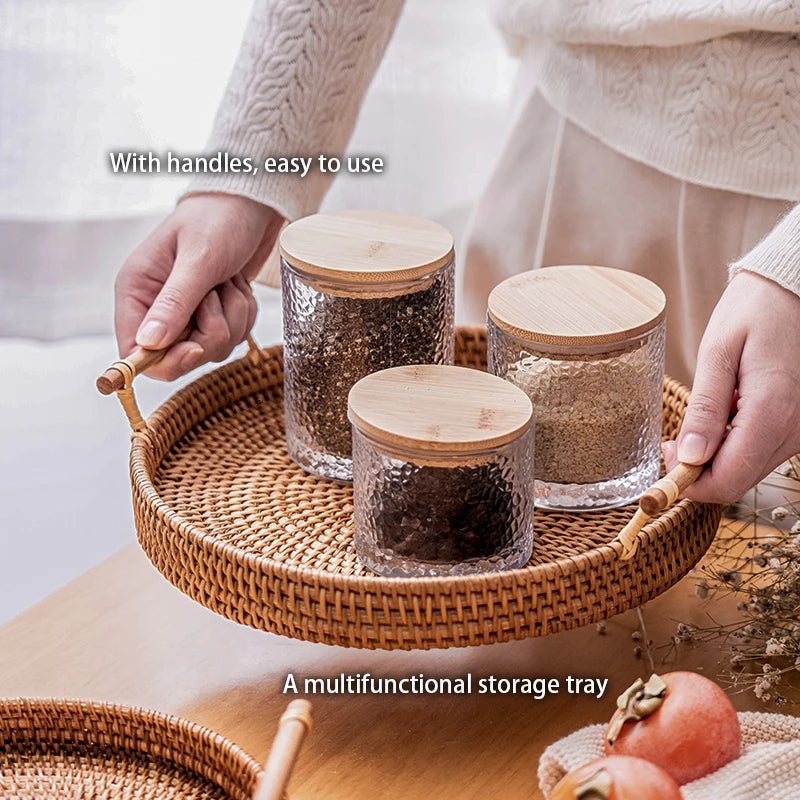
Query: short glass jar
[[442, 472], [362, 291], [586, 344]]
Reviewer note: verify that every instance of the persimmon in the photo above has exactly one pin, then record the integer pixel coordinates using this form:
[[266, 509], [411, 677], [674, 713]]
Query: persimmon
[[681, 721], [617, 778]]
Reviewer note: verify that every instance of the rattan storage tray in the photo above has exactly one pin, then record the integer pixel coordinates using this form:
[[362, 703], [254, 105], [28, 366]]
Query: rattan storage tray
[[72, 749], [227, 518]]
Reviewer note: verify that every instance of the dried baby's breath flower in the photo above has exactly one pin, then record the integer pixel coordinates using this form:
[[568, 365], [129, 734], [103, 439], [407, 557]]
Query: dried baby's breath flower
[[790, 468], [761, 690], [684, 632], [773, 648], [757, 559], [769, 542]]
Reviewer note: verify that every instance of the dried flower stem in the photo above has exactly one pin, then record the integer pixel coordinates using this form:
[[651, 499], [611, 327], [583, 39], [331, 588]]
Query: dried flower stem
[[756, 557]]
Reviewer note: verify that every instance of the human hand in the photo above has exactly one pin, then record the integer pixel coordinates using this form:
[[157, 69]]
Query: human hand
[[748, 372], [196, 264]]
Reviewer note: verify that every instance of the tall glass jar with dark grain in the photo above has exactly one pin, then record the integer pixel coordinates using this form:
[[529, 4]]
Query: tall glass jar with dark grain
[[362, 291]]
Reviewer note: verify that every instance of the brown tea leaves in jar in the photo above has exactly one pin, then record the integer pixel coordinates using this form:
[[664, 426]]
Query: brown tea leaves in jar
[[333, 341], [445, 514]]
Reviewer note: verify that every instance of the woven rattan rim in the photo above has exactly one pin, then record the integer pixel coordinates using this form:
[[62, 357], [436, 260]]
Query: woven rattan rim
[[72, 748], [198, 452]]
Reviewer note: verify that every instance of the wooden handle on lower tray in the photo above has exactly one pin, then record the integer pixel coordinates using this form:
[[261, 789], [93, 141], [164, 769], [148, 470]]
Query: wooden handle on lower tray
[[114, 378], [292, 730]]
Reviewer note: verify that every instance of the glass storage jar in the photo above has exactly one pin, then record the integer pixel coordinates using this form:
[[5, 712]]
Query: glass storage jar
[[586, 344], [442, 472], [362, 291]]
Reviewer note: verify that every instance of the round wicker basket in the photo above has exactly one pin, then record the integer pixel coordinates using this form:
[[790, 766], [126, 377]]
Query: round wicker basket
[[226, 517], [74, 749]]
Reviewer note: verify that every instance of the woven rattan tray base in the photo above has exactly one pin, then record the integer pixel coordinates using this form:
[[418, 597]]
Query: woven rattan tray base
[[226, 516], [69, 749]]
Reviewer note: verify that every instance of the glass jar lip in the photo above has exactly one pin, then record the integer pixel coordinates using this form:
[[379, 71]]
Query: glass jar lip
[[576, 304], [363, 246], [368, 289], [448, 459], [588, 349], [439, 409]]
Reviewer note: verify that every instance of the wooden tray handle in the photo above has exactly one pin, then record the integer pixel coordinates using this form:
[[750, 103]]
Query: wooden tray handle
[[119, 376], [292, 731], [659, 497]]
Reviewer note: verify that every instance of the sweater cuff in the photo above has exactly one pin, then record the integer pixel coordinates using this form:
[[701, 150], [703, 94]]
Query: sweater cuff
[[290, 195], [777, 255]]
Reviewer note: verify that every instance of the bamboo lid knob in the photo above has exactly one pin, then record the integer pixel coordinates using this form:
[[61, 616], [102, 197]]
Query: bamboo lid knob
[[439, 409], [576, 305], [366, 246]]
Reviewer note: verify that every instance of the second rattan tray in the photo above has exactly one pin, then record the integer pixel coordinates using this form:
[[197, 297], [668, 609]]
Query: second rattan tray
[[225, 516], [75, 749]]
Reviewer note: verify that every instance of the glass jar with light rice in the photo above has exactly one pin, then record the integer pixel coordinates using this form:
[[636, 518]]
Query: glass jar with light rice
[[586, 344]]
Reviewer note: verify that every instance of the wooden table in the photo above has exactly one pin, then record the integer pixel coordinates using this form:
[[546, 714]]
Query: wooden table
[[121, 633]]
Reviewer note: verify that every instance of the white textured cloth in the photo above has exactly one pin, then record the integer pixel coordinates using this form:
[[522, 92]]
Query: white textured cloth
[[768, 769]]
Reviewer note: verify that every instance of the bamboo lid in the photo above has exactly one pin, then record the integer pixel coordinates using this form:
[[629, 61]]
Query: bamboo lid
[[576, 305], [366, 246], [439, 409]]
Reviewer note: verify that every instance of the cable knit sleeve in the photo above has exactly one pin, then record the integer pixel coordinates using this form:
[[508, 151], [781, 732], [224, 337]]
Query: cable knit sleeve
[[777, 255], [296, 90]]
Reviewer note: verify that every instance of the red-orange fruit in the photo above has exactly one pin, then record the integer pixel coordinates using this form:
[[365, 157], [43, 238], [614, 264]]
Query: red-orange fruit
[[693, 732], [626, 778]]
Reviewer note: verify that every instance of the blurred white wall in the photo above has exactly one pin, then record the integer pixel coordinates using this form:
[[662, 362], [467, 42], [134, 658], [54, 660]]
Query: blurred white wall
[[79, 78]]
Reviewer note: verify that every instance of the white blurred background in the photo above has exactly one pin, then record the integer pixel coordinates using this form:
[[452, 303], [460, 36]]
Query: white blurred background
[[81, 77]]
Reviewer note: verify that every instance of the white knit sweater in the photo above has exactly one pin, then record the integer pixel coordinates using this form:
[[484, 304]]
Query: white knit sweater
[[705, 90]]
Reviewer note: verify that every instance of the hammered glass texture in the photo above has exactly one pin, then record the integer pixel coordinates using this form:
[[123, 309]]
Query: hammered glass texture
[[332, 341], [598, 416], [416, 520]]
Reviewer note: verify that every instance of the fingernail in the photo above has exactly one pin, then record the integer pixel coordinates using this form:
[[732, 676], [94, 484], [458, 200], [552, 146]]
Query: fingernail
[[191, 359], [692, 448], [151, 333]]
